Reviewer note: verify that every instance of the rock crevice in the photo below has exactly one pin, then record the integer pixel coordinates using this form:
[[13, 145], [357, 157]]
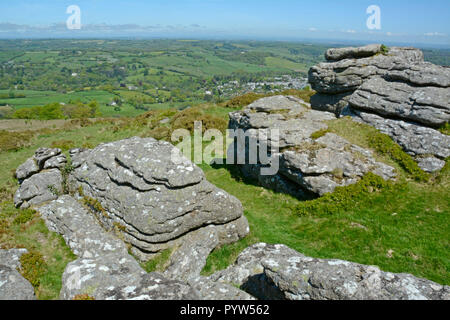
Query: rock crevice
[[308, 165], [394, 91]]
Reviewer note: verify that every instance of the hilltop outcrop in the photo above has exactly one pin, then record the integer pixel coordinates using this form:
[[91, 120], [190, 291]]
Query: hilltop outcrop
[[112, 187], [308, 164], [135, 194], [393, 90]]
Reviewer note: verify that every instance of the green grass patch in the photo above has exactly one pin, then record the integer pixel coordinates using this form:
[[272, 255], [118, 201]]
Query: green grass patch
[[47, 255], [409, 218], [32, 267], [445, 129], [158, 263], [361, 223], [386, 150]]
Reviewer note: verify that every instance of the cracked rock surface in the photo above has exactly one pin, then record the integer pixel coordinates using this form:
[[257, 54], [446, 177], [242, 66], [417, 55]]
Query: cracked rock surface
[[278, 272], [40, 178], [104, 269], [394, 91], [13, 286], [157, 201], [306, 165]]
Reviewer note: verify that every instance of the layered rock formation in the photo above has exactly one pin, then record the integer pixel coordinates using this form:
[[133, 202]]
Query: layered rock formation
[[137, 194], [117, 182], [40, 178], [393, 90], [276, 272], [157, 203], [104, 269], [13, 286], [307, 165]]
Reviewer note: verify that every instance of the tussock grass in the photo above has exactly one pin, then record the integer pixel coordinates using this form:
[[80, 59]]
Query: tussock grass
[[158, 263], [15, 140], [47, 255], [249, 98], [385, 149]]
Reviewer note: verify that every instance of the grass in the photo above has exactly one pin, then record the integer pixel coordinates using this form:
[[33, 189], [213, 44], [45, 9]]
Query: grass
[[249, 98], [158, 263], [14, 140], [385, 148], [445, 129], [409, 218], [48, 254], [401, 226]]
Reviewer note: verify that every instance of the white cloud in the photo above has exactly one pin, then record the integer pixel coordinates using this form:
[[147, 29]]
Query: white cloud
[[434, 34], [312, 29]]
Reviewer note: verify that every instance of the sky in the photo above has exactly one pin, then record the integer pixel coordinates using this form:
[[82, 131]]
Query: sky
[[402, 21]]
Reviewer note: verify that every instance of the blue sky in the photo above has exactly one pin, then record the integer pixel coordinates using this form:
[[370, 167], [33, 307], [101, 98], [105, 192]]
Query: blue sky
[[413, 21]]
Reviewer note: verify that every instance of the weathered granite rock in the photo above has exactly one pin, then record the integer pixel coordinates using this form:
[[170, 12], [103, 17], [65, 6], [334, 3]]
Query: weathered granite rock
[[39, 188], [396, 92], [430, 164], [422, 74], [142, 191], [334, 103], [12, 285], [428, 105], [348, 74], [27, 169], [103, 259], [419, 141], [43, 159], [336, 54], [115, 277], [154, 286], [303, 278], [44, 154], [277, 272], [11, 257], [210, 290], [307, 165], [80, 229], [156, 202], [329, 162], [248, 272], [56, 162], [39, 177]]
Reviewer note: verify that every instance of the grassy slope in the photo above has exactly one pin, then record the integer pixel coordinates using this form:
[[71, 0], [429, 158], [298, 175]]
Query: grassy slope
[[401, 229], [412, 220]]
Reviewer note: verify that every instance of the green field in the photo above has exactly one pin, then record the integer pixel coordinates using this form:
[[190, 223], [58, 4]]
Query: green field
[[142, 75], [403, 226]]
